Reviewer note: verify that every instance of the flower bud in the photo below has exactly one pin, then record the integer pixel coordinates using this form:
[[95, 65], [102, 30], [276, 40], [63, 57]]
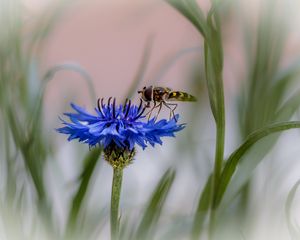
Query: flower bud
[[118, 157]]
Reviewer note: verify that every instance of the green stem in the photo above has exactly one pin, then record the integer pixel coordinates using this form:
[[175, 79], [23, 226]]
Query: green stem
[[115, 200], [216, 176], [219, 151]]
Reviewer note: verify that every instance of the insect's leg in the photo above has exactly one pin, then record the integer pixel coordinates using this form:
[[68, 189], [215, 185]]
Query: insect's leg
[[159, 108], [174, 107], [167, 105], [171, 109], [150, 112]]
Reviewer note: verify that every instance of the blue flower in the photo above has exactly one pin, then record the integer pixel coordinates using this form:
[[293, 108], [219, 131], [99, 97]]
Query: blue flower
[[123, 126]]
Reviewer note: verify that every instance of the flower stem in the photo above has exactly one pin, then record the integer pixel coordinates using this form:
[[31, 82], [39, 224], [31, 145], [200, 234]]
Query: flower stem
[[115, 200]]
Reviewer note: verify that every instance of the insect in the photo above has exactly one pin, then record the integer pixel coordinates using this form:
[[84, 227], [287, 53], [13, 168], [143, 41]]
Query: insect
[[163, 96]]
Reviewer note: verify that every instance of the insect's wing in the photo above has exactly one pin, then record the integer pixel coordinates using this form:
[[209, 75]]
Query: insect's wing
[[181, 96], [161, 90]]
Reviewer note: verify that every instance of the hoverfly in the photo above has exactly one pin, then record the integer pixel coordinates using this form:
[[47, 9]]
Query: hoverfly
[[163, 96]]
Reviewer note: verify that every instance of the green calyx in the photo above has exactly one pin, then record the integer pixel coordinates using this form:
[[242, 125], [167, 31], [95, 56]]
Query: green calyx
[[118, 157]]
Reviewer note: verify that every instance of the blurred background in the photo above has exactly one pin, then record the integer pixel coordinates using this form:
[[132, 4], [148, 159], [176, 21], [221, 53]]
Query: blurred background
[[56, 52]]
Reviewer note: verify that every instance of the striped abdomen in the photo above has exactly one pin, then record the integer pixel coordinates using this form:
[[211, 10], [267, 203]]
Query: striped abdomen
[[181, 96]]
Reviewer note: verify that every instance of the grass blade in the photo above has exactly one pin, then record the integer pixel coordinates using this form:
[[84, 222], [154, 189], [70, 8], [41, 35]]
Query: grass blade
[[155, 205], [202, 209], [294, 231], [192, 12], [75, 68], [210, 29], [236, 156], [276, 110], [90, 163]]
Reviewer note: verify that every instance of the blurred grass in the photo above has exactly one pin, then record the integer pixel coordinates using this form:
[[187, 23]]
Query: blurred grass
[[90, 162], [266, 102], [152, 212], [265, 95], [26, 146], [293, 228], [21, 89], [258, 108], [210, 29]]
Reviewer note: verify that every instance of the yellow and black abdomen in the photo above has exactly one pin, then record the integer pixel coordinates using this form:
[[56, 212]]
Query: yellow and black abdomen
[[181, 96]]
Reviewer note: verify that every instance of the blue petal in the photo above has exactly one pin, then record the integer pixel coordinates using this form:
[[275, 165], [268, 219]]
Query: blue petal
[[125, 130]]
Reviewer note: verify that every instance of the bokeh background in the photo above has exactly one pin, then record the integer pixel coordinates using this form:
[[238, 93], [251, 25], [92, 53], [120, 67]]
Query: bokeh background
[[57, 52]]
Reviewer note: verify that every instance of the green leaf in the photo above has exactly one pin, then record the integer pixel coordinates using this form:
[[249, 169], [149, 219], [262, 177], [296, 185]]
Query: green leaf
[[214, 73], [211, 85], [192, 12], [294, 230], [196, 13], [154, 207], [247, 164], [277, 110], [210, 29], [236, 156], [30, 154], [11, 182], [291, 105], [272, 107], [262, 96]]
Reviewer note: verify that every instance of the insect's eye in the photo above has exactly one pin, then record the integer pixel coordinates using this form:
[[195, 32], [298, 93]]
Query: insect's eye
[[148, 94]]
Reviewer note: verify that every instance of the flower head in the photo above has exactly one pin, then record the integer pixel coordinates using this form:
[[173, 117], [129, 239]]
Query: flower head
[[117, 128]]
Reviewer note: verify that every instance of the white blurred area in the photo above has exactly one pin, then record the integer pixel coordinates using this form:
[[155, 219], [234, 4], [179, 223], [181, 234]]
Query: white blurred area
[[107, 38]]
